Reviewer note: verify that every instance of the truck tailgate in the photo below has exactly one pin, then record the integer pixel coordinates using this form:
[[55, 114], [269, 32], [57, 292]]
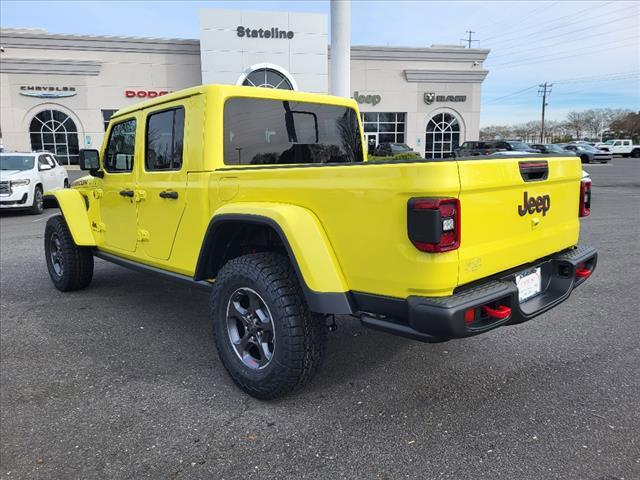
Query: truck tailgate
[[510, 216]]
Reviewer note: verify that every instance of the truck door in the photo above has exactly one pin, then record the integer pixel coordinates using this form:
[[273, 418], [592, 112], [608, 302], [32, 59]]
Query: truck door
[[118, 204], [162, 179]]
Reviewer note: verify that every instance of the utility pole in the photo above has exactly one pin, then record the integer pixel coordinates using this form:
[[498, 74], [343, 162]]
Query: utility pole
[[469, 40], [544, 89]]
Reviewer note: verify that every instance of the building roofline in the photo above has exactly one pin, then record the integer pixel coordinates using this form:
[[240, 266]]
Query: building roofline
[[39, 39]]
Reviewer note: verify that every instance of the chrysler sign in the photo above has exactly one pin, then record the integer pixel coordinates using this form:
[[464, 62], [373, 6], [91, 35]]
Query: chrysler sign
[[41, 91], [430, 97]]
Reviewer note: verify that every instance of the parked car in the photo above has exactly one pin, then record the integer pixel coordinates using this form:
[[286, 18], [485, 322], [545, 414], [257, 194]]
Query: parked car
[[514, 146], [626, 148], [26, 177], [589, 154], [389, 149], [291, 246], [472, 149], [548, 148]]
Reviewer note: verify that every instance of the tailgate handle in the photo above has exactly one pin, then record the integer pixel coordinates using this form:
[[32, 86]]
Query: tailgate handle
[[534, 171]]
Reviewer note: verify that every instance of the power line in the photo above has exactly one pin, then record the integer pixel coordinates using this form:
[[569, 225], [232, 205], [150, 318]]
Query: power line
[[590, 77], [519, 51], [549, 26], [512, 94], [469, 40], [520, 63], [578, 30], [516, 27]]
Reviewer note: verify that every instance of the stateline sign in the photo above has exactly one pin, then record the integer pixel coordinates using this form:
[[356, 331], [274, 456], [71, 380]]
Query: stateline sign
[[273, 32]]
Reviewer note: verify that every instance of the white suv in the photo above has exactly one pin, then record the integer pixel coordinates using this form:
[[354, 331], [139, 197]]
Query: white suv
[[26, 177]]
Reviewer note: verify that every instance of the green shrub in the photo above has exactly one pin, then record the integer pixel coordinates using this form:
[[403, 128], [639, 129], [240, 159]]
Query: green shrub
[[398, 156]]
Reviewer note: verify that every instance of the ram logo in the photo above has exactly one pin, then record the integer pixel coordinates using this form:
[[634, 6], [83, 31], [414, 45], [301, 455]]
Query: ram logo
[[429, 97]]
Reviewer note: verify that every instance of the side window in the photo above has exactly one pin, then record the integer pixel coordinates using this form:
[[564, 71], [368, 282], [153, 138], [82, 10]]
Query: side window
[[51, 161], [121, 147], [616, 144], [42, 161], [164, 140]]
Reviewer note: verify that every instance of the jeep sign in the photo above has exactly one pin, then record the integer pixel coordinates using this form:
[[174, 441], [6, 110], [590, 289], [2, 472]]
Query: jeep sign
[[372, 100]]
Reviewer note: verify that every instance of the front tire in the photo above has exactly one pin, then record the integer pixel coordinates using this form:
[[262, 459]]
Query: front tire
[[38, 201], [267, 339], [70, 266]]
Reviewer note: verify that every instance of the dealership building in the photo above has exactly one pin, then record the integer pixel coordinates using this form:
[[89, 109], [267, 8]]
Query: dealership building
[[57, 92]]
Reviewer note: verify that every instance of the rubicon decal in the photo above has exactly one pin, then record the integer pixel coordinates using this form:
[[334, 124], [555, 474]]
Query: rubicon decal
[[541, 203]]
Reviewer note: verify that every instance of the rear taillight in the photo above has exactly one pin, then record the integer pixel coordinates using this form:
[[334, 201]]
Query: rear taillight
[[585, 197], [434, 224]]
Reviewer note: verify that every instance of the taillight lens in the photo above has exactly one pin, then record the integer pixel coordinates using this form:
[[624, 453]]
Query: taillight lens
[[434, 224], [585, 197]]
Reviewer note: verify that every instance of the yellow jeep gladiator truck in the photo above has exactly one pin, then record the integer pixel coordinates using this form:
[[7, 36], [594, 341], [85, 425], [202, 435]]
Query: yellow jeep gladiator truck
[[266, 197]]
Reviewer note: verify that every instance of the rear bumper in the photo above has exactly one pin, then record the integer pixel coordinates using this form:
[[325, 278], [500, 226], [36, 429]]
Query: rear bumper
[[433, 319]]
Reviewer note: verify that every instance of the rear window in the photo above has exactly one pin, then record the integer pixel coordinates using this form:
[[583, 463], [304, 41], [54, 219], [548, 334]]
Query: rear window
[[277, 132]]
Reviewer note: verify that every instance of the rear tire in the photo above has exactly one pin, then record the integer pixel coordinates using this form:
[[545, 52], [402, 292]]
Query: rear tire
[[267, 339], [636, 153], [70, 266], [38, 201]]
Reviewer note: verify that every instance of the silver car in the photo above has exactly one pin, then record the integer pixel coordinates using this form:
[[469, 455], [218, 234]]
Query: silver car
[[588, 154]]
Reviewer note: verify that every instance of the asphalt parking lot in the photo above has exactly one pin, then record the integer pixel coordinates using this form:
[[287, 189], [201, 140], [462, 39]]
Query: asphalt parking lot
[[121, 380]]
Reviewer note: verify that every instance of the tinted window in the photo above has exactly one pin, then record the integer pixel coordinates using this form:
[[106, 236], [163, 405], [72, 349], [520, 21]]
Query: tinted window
[[16, 162], [165, 133], [265, 132], [121, 147]]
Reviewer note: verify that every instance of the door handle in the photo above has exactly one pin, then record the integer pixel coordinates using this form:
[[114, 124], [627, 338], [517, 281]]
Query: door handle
[[169, 194], [126, 193]]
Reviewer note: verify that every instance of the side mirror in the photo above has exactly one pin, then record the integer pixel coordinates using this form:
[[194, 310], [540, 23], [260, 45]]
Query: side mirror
[[44, 166], [89, 160]]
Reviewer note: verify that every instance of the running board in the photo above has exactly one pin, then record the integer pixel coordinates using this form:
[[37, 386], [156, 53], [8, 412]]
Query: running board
[[140, 267]]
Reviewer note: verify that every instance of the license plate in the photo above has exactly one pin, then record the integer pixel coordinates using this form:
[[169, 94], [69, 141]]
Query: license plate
[[529, 284]]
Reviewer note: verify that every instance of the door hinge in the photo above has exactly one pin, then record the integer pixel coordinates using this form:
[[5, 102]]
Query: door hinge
[[98, 226], [140, 195], [97, 193], [143, 235]]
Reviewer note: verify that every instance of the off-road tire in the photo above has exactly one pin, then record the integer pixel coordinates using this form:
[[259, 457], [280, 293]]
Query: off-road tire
[[77, 262], [38, 201], [300, 336]]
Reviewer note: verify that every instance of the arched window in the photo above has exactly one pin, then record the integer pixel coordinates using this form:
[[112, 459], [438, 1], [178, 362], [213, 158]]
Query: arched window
[[443, 135], [55, 132], [267, 78]]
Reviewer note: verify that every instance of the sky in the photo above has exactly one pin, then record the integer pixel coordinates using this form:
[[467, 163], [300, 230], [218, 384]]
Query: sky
[[588, 50]]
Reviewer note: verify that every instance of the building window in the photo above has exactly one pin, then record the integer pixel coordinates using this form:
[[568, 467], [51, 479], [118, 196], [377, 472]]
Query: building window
[[55, 132], [387, 127], [443, 135], [267, 78], [106, 116]]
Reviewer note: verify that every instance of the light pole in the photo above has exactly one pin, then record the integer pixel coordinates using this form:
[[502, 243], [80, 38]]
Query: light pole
[[340, 74]]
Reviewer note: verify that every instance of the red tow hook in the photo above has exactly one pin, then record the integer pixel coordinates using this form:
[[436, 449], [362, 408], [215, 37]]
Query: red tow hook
[[582, 272], [498, 313]]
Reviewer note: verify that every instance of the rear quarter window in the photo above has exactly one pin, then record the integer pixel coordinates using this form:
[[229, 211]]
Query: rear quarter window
[[277, 132]]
